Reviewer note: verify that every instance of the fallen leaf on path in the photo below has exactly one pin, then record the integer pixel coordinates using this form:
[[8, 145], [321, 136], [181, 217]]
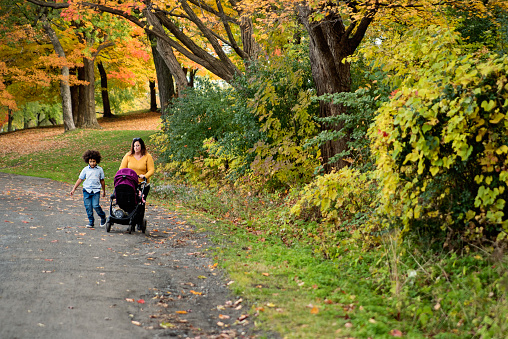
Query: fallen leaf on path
[[224, 316], [196, 293], [137, 323], [141, 301], [201, 277], [166, 325], [129, 300], [181, 312]]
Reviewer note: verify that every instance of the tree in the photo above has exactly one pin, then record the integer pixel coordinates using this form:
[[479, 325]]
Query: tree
[[104, 91], [196, 30], [65, 89], [337, 28], [29, 71]]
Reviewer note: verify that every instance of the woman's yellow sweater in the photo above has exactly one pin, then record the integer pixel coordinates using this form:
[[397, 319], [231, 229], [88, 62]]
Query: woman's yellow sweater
[[144, 165]]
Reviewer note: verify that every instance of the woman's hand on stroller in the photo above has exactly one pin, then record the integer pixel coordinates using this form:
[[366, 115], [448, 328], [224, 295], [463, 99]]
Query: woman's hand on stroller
[[142, 176]]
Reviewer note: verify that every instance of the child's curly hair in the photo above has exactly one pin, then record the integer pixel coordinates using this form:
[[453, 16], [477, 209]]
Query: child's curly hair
[[92, 155]]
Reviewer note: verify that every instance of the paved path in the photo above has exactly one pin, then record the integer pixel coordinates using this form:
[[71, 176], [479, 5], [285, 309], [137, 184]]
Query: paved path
[[59, 279]]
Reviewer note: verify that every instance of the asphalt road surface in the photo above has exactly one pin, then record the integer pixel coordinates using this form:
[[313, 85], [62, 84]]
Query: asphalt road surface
[[59, 279]]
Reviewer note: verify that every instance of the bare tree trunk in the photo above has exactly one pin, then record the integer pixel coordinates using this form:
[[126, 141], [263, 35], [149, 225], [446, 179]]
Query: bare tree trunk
[[104, 91], [250, 46], [192, 76], [153, 97], [90, 118], [330, 43], [10, 119], [75, 96], [166, 52], [26, 120], [65, 91], [81, 108], [164, 78]]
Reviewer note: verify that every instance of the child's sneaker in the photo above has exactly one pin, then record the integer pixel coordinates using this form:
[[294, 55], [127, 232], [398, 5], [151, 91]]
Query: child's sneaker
[[90, 226]]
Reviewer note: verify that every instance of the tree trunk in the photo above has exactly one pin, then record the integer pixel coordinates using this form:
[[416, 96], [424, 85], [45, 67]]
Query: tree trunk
[[166, 52], [26, 120], [329, 44], [81, 108], [75, 97], [10, 118], [164, 78], [104, 91], [90, 118], [65, 91], [191, 75], [153, 97]]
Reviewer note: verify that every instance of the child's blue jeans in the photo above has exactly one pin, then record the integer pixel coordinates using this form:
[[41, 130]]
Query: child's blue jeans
[[91, 201]]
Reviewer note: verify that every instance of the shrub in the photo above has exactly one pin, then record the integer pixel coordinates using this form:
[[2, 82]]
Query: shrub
[[343, 204], [442, 142], [282, 103]]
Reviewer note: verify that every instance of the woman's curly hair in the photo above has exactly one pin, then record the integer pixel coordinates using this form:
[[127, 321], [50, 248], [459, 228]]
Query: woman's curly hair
[[92, 155]]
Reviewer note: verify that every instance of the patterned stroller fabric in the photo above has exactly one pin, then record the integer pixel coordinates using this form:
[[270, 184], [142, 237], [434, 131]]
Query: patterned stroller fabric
[[126, 176], [126, 207]]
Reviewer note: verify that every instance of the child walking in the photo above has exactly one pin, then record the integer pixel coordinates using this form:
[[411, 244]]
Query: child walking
[[93, 175]]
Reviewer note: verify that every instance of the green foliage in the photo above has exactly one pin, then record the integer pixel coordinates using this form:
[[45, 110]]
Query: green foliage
[[343, 203], [36, 113], [490, 31], [209, 122], [121, 98], [283, 105], [442, 141], [360, 294], [62, 161], [252, 133], [362, 105]]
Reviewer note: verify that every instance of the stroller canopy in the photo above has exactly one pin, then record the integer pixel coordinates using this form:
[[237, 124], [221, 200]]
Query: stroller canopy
[[126, 176]]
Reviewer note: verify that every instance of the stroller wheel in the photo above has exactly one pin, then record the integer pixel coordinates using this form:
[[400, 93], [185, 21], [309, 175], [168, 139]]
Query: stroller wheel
[[108, 226], [132, 228], [143, 226]]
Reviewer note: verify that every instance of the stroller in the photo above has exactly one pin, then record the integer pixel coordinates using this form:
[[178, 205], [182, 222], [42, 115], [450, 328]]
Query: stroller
[[127, 206]]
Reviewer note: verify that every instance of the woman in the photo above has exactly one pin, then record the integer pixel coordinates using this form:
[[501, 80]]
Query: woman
[[141, 162]]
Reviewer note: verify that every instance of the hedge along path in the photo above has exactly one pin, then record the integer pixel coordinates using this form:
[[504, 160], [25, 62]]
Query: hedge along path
[[33, 140]]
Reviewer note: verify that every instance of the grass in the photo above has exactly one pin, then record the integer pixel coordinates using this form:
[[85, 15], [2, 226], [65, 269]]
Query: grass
[[65, 163], [389, 290], [393, 289]]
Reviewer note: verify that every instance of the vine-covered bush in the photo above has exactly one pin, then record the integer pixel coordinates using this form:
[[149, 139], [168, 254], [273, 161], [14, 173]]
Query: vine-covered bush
[[442, 142], [252, 132], [343, 204], [283, 105]]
